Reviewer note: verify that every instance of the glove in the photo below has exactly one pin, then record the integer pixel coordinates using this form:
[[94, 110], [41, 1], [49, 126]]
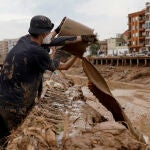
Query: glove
[[89, 38], [57, 30]]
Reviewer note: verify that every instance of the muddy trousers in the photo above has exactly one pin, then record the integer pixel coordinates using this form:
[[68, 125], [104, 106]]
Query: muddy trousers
[[9, 120]]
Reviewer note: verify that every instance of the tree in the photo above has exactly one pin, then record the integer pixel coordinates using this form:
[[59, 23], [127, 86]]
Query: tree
[[94, 48]]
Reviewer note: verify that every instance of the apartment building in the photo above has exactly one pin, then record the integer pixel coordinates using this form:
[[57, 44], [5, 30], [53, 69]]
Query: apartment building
[[3, 50], [136, 31], [147, 28], [5, 46], [11, 43]]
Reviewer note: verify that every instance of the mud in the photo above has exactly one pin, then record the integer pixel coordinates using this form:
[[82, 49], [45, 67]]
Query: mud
[[70, 118], [136, 104], [130, 86]]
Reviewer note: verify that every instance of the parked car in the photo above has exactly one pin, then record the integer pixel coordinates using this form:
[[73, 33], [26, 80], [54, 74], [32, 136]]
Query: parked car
[[129, 54], [139, 54], [120, 54]]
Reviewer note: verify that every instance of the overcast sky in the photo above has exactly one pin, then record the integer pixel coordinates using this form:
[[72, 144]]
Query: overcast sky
[[107, 17]]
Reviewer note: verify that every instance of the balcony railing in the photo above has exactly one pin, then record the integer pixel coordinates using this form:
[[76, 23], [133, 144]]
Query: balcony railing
[[147, 12], [141, 44], [147, 4], [148, 43], [147, 29], [142, 37], [142, 19], [141, 29], [147, 37]]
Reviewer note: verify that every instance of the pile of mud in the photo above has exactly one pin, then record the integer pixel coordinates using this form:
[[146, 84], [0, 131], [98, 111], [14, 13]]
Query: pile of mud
[[134, 75], [65, 119]]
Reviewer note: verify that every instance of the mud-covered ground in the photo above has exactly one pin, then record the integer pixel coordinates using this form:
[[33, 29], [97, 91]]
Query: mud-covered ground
[[130, 86], [134, 75]]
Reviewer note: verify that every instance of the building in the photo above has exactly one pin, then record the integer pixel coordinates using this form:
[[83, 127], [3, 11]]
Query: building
[[5, 46], [11, 43], [103, 46], [136, 31], [147, 29], [3, 50], [125, 36], [117, 45]]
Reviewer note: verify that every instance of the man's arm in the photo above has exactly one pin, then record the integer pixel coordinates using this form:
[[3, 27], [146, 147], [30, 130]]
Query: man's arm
[[62, 66], [68, 64], [62, 40], [57, 30]]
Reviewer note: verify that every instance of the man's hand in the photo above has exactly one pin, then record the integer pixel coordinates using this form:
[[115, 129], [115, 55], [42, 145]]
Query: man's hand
[[89, 38], [57, 30]]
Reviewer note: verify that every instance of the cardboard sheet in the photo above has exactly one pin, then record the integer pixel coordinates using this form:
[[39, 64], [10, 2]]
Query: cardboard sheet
[[71, 27]]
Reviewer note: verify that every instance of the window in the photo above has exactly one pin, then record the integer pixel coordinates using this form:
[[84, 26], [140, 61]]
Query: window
[[133, 34], [147, 25], [143, 33], [137, 34], [136, 27], [133, 19], [143, 26], [137, 18], [133, 27]]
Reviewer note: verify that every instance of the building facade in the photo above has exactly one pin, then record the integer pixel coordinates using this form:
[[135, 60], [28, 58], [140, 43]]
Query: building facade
[[5, 46], [3, 50], [11, 43], [103, 46], [147, 28], [136, 31], [117, 46], [125, 36]]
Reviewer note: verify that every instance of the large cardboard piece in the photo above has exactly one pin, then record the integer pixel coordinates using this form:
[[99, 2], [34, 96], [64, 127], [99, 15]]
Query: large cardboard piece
[[71, 27]]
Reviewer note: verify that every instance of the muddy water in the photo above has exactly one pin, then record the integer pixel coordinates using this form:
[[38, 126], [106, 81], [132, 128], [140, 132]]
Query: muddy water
[[136, 103]]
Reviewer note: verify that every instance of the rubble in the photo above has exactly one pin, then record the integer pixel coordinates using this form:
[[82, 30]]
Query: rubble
[[64, 119]]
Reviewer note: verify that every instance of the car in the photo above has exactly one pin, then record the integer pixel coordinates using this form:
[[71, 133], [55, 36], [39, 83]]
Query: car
[[139, 54], [120, 54], [129, 54], [102, 55]]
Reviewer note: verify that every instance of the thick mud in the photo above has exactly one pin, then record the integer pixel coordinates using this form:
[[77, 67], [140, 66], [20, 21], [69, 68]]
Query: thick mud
[[136, 103]]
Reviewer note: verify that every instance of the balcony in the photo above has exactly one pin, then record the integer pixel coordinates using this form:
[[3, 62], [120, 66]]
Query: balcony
[[141, 37], [141, 29], [147, 13], [141, 20], [147, 29], [147, 44], [141, 44], [147, 37], [147, 4], [147, 20]]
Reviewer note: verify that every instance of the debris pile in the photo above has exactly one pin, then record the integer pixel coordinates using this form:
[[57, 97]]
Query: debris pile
[[64, 119]]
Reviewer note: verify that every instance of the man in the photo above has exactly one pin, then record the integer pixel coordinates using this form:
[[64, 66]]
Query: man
[[23, 69]]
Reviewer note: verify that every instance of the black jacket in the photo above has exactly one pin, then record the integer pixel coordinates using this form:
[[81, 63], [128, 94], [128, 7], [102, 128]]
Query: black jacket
[[22, 72]]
